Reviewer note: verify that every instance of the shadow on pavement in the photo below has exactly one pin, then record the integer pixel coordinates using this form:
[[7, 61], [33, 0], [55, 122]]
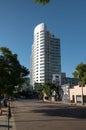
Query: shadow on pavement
[[58, 110], [5, 126], [71, 112]]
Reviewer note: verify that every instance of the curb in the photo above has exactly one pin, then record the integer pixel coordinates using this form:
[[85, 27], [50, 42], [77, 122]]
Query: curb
[[65, 103]]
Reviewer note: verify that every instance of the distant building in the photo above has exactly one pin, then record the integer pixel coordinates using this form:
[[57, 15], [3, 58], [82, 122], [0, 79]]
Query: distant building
[[62, 80], [45, 57], [66, 84], [56, 79], [26, 84], [67, 80], [66, 94]]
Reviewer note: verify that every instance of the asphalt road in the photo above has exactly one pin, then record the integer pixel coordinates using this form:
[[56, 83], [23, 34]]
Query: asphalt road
[[36, 115]]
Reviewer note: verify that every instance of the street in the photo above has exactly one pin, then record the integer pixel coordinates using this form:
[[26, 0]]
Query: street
[[37, 115]]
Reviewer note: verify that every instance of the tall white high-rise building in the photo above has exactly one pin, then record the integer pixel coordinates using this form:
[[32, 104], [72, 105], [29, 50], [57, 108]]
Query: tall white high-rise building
[[45, 57]]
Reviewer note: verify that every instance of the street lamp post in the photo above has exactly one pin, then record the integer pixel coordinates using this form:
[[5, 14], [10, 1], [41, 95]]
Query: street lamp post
[[82, 95], [9, 114]]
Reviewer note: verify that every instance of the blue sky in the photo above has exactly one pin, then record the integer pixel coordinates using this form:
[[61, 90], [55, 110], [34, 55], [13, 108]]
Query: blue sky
[[64, 18]]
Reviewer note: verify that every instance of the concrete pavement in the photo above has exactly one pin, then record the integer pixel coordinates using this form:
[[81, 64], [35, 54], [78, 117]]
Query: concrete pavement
[[38, 115], [4, 122], [4, 119], [12, 125]]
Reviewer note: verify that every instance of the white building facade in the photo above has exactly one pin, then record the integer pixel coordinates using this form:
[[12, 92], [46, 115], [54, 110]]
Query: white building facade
[[77, 94], [45, 57]]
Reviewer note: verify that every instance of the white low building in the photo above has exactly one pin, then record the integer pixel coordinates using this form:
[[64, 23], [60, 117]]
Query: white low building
[[78, 94]]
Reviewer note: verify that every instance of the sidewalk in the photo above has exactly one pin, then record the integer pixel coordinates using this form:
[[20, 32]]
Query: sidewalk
[[4, 120]]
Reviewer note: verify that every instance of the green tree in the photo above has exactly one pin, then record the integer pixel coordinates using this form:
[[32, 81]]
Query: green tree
[[12, 73], [43, 2], [47, 88], [39, 90], [80, 72]]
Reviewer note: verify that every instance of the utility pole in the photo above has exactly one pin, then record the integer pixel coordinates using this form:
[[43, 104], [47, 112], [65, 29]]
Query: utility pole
[[9, 115], [82, 95]]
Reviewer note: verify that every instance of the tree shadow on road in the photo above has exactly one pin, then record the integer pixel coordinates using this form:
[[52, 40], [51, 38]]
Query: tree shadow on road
[[72, 112], [5, 126], [53, 110]]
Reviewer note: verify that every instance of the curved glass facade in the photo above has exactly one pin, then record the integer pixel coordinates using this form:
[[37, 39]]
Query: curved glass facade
[[45, 58]]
